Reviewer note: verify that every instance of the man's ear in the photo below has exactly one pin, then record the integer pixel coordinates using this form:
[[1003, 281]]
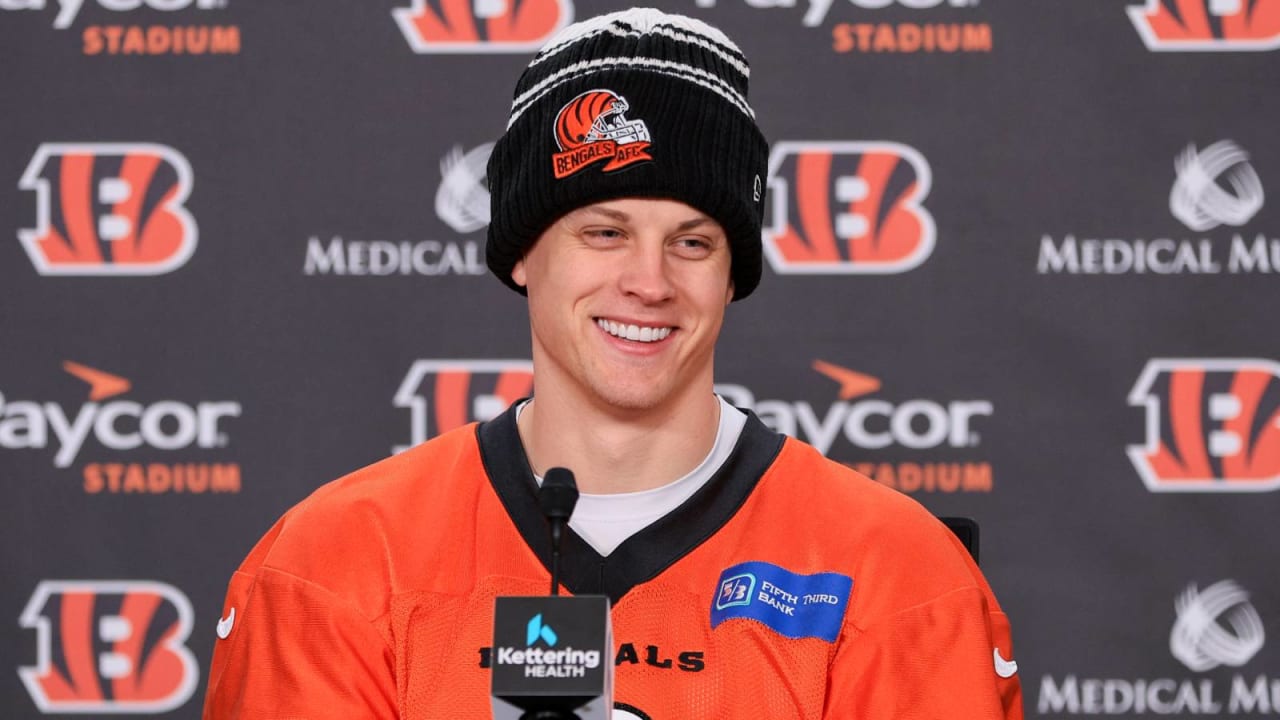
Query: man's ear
[[728, 297], [518, 274]]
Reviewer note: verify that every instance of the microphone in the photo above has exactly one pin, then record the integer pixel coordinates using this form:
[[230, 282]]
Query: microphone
[[557, 497], [553, 655]]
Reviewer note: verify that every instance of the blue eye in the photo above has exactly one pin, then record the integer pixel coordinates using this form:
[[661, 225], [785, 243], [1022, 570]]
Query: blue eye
[[694, 246], [603, 237]]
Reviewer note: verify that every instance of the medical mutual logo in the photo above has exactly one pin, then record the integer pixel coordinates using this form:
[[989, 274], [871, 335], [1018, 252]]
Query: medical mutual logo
[[1214, 186], [462, 198], [461, 204], [1207, 25], [1212, 425], [1215, 627], [880, 26], [1216, 634], [875, 433], [134, 445]]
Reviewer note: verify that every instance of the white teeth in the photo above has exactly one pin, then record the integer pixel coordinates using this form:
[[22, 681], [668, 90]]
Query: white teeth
[[633, 332]]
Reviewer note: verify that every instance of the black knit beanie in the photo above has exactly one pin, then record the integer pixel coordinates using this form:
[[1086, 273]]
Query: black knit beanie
[[636, 103]]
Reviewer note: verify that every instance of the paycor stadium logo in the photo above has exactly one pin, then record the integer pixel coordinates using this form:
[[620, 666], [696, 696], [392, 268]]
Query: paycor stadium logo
[[1208, 25], [861, 426], [1213, 186], [881, 26], [1212, 425], [113, 430], [104, 30]]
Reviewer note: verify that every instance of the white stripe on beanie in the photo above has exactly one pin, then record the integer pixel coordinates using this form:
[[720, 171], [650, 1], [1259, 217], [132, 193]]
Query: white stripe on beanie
[[677, 28], [695, 75]]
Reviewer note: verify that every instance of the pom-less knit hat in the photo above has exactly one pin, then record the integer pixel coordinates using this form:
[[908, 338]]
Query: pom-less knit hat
[[636, 103]]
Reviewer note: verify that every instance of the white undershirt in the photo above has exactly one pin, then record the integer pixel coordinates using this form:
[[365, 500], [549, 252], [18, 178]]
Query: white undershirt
[[604, 521]]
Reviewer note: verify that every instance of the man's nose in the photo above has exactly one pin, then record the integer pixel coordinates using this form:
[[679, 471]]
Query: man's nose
[[646, 273]]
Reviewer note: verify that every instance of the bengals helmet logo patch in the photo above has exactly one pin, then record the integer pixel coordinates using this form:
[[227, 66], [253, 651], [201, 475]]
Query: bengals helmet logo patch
[[1212, 425], [592, 127], [108, 209], [442, 395], [109, 646], [481, 26], [1208, 25], [847, 208]]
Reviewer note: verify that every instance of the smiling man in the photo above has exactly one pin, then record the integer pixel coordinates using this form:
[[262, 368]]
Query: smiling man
[[749, 576], [626, 298]]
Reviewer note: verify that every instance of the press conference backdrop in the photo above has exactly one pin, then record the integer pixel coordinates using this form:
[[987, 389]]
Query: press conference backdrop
[[1021, 265]]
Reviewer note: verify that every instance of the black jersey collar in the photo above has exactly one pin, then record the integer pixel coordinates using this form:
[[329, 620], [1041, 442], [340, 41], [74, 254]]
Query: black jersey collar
[[653, 549]]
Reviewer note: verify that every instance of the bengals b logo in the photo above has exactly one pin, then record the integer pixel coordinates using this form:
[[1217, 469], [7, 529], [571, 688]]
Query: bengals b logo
[[108, 209], [1208, 25], [445, 394], [1212, 425], [109, 646], [847, 208], [482, 26]]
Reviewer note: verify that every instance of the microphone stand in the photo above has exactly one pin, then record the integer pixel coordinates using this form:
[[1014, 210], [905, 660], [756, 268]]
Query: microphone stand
[[557, 497]]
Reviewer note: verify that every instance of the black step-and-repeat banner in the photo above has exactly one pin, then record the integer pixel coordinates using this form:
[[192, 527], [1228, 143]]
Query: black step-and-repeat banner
[[1021, 267]]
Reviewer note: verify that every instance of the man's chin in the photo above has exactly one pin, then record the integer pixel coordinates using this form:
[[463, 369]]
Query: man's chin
[[635, 398]]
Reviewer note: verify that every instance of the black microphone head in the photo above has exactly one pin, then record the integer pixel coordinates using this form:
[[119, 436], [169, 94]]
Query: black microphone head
[[558, 494]]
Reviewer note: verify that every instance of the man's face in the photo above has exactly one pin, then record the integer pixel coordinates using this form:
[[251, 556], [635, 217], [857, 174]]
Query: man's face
[[626, 298]]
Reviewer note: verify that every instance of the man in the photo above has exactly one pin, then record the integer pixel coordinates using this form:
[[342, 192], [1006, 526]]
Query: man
[[749, 576]]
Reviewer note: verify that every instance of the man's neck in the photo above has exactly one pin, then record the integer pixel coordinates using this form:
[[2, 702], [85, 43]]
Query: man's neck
[[611, 450]]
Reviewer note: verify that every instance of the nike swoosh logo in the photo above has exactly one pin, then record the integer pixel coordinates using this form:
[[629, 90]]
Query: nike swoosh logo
[[1004, 668], [224, 626]]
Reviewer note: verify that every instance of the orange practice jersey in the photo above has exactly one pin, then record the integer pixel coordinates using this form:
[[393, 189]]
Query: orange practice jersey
[[374, 597]]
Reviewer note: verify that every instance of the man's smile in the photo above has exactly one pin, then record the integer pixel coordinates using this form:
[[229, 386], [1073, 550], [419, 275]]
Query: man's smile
[[637, 333]]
